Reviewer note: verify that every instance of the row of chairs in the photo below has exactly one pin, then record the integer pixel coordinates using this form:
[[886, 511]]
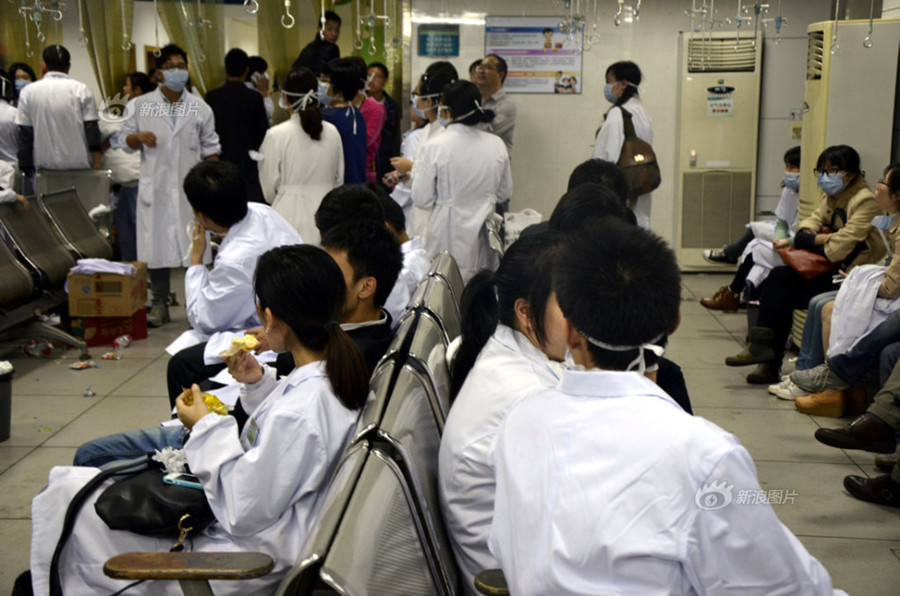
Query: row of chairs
[[39, 246], [381, 530]]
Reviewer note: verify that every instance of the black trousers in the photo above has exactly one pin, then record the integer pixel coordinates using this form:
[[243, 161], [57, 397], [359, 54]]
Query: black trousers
[[784, 291]]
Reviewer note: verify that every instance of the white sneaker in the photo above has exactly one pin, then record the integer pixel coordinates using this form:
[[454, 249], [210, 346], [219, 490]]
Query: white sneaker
[[786, 389]]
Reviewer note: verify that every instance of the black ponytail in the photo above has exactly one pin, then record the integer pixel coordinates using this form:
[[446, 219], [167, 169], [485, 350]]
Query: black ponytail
[[626, 71], [478, 310], [304, 287], [490, 298], [301, 80]]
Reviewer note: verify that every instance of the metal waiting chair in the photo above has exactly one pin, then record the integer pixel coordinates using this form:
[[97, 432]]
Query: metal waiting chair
[[305, 578], [428, 357], [73, 224], [39, 251], [18, 286], [92, 185], [381, 545], [445, 267], [435, 299], [414, 435], [36, 245]]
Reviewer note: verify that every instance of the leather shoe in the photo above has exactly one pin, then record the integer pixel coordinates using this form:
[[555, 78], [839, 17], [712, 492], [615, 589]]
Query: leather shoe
[[880, 490], [723, 299], [867, 433], [829, 404]]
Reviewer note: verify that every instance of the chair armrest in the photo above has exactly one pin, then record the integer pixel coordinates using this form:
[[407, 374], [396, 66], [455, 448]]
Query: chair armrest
[[491, 582], [191, 566]]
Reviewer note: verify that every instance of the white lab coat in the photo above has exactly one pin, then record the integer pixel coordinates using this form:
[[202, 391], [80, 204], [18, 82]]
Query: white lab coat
[[397, 302], [857, 309], [417, 219], [402, 192], [764, 256], [296, 172], [9, 134], [125, 166], [220, 302], [57, 107], [415, 263], [7, 181], [163, 212], [604, 486], [266, 489], [460, 176], [608, 146], [508, 368]]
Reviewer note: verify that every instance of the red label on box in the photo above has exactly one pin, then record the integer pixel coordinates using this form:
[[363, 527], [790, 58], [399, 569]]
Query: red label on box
[[99, 331]]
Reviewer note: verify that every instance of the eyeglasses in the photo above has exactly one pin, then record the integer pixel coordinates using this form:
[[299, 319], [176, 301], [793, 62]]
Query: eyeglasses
[[829, 171]]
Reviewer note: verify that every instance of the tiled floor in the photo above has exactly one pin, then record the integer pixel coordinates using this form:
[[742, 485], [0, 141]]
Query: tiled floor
[[857, 542]]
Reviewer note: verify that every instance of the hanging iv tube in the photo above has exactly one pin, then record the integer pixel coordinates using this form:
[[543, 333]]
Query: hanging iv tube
[[36, 11]]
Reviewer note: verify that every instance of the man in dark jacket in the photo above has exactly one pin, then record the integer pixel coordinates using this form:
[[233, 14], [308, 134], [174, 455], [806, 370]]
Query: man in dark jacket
[[324, 47], [241, 120]]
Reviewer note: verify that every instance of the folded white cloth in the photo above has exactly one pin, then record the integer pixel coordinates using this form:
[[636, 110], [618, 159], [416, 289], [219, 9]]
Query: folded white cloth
[[92, 266]]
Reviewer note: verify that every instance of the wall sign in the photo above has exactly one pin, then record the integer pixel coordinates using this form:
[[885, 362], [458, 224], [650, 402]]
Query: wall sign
[[439, 40], [539, 58]]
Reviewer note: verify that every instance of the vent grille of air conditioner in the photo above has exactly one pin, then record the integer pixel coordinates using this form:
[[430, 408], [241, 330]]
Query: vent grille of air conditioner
[[721, 55], [715, 209], [815, 55]]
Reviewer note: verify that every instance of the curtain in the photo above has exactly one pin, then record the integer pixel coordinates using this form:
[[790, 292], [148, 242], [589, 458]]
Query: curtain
[[14, 32], [280, 46], [105, 42], [199, 28]]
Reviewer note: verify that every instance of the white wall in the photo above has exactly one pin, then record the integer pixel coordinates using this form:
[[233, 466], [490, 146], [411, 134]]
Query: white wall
[[556, 132]]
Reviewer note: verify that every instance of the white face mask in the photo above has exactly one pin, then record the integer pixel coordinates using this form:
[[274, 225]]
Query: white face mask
[[638, 363]]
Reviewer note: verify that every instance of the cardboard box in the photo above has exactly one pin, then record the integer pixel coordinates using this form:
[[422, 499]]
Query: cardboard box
[[100, 331], [107, 294]]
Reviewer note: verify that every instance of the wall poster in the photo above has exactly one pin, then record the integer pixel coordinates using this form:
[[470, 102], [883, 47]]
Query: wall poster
[[539, 58]]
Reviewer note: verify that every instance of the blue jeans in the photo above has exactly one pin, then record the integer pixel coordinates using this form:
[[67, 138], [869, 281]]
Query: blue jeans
[[812, 353], [852, 365], [129, 445]]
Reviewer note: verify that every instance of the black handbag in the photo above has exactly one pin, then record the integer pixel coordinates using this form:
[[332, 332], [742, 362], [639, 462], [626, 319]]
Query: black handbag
[[144, 504], [136, 508], [637, 161]]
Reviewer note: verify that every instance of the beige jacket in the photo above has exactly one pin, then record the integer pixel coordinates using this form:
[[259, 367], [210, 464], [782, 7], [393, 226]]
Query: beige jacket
[[890, 285], [858, 202]]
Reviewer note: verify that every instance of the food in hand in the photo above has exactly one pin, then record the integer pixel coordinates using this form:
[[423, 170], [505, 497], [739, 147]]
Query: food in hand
[[212, 402], [246, 343]]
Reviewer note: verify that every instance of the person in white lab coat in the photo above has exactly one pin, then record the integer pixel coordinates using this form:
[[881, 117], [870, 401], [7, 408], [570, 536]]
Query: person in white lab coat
[[7, 185], [425, 101], [174, 129], [401, 192], [125, 167], [219, 301], [302, 158], [622, 82], [459, 177], [265, 482], [57, 119], [9, 130], [511, 342], [604, 485]]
